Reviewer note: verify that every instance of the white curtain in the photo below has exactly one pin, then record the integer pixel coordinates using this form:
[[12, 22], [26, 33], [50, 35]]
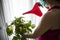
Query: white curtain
[[15, 8], [3, 35]]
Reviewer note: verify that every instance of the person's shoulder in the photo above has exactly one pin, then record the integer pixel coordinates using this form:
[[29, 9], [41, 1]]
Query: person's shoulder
[[54, 12], [47, 14]]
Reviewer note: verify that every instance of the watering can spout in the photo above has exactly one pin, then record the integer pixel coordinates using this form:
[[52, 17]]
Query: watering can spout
[[35, 10]]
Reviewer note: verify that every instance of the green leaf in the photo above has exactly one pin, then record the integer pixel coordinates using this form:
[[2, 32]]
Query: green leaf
[[15, 38], [9, 30], [29, 29], [27, 25], [23, 38], [32, 26]]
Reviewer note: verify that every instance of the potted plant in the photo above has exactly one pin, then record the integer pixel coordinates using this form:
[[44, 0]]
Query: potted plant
[[21, 27]]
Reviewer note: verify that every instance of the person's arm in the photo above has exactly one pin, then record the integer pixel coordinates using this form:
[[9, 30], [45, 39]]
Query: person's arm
[[42, 28]]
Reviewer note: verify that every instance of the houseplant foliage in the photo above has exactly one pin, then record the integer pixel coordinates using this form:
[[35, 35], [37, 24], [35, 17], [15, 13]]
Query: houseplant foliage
[[21, 27]]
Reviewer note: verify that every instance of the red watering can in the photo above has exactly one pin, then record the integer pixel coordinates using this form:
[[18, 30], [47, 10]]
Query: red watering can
[[35, 10]]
